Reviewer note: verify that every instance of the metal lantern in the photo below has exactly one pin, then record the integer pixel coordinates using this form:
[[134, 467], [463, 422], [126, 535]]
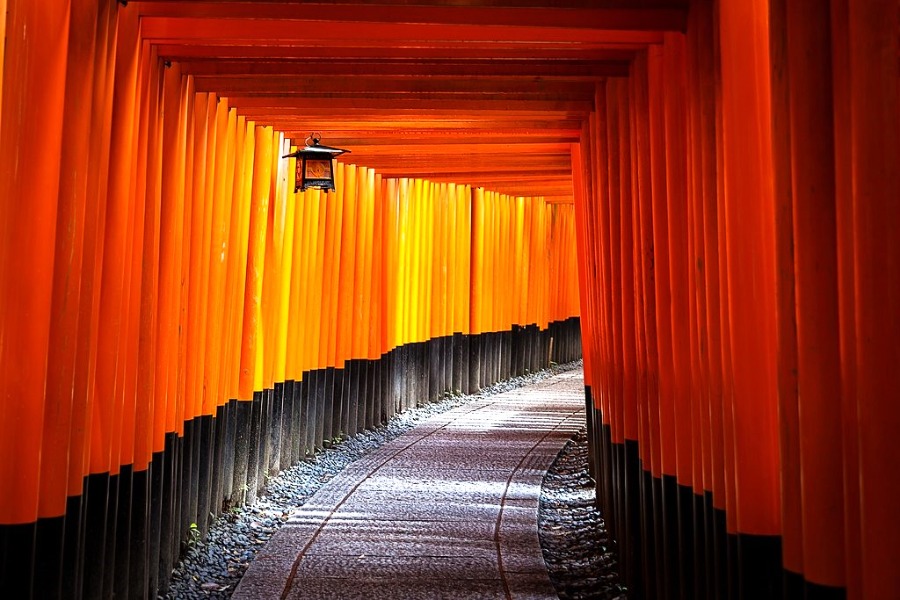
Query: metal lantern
[[315, 165]]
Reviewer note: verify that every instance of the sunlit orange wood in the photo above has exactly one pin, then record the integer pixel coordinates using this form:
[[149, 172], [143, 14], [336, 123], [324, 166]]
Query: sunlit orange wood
[[439, 267], [302, 297], [368, 294], [334, 203], [320, 214], [347, 266], [404, 258], [215, 255], [251, 366], [228, 237], [489, 307], [429, 232], [358, 292], [272, 275], [286, 275], [244, 198], [297, 307], [478, 240], [390, 275]]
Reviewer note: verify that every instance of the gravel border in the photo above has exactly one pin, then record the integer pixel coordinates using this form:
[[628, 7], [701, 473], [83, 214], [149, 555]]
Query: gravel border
[[212, 568], [574, 540]]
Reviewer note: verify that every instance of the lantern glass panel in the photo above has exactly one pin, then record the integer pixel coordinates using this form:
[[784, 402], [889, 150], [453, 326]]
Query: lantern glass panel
[[318, 169]]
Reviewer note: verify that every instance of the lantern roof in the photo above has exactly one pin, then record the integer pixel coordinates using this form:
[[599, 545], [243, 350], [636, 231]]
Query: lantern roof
[[313, 147]]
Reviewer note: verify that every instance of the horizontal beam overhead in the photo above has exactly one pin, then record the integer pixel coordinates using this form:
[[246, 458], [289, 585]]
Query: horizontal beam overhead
[[415, 104], [462, 141], [273, 32], [589, 70], [647, 19], [364, 85], [222, 50], [492, 93]]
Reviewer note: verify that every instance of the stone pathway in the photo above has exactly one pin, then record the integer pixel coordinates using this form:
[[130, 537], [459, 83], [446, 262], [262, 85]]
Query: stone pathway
[[447, 510]]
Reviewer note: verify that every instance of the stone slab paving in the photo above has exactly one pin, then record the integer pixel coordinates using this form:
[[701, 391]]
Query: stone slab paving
[[447, 510]]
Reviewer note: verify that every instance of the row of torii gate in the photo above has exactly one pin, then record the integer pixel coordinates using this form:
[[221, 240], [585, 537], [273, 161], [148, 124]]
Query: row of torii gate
[[701, 196]]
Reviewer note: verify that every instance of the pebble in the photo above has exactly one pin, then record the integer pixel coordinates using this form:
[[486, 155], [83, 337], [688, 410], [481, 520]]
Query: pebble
[[577, 549], [572, 535]]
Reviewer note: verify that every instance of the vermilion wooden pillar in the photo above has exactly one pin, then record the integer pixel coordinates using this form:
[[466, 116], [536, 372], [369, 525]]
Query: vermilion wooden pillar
[[69, 254], [142, 559], [788, 406], [843, 187], [615, 356], [347, 262], [113, 311], [645, 260], [32, 86], [630, 299], [201, 141], [171, 225], [660, 92], [875, 153], [603, 341], [749, 214], [3, 12], [587, 264], [815, 264], [375, 308], [251, 367], [143, 292], [598, 240], [33, 89], [84, 392], [129, 515]]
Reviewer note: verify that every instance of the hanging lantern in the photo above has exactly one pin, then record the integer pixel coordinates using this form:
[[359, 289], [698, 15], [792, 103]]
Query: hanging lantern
[[315, 165]]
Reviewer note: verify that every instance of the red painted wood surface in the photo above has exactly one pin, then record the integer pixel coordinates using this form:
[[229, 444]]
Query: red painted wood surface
[[33, 101]]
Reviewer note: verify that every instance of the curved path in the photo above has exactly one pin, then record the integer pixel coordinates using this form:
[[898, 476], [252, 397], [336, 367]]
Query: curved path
[[446, 510]]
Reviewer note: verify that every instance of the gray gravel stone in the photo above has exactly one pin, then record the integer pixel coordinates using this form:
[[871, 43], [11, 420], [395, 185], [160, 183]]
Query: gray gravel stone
[[574, 540]]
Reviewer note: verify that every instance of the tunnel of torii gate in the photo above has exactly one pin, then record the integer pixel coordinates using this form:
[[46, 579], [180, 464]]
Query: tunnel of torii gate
[[703, 196]]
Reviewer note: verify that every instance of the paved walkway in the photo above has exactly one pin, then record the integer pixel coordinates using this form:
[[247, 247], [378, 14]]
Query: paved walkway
[[447, 510]]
